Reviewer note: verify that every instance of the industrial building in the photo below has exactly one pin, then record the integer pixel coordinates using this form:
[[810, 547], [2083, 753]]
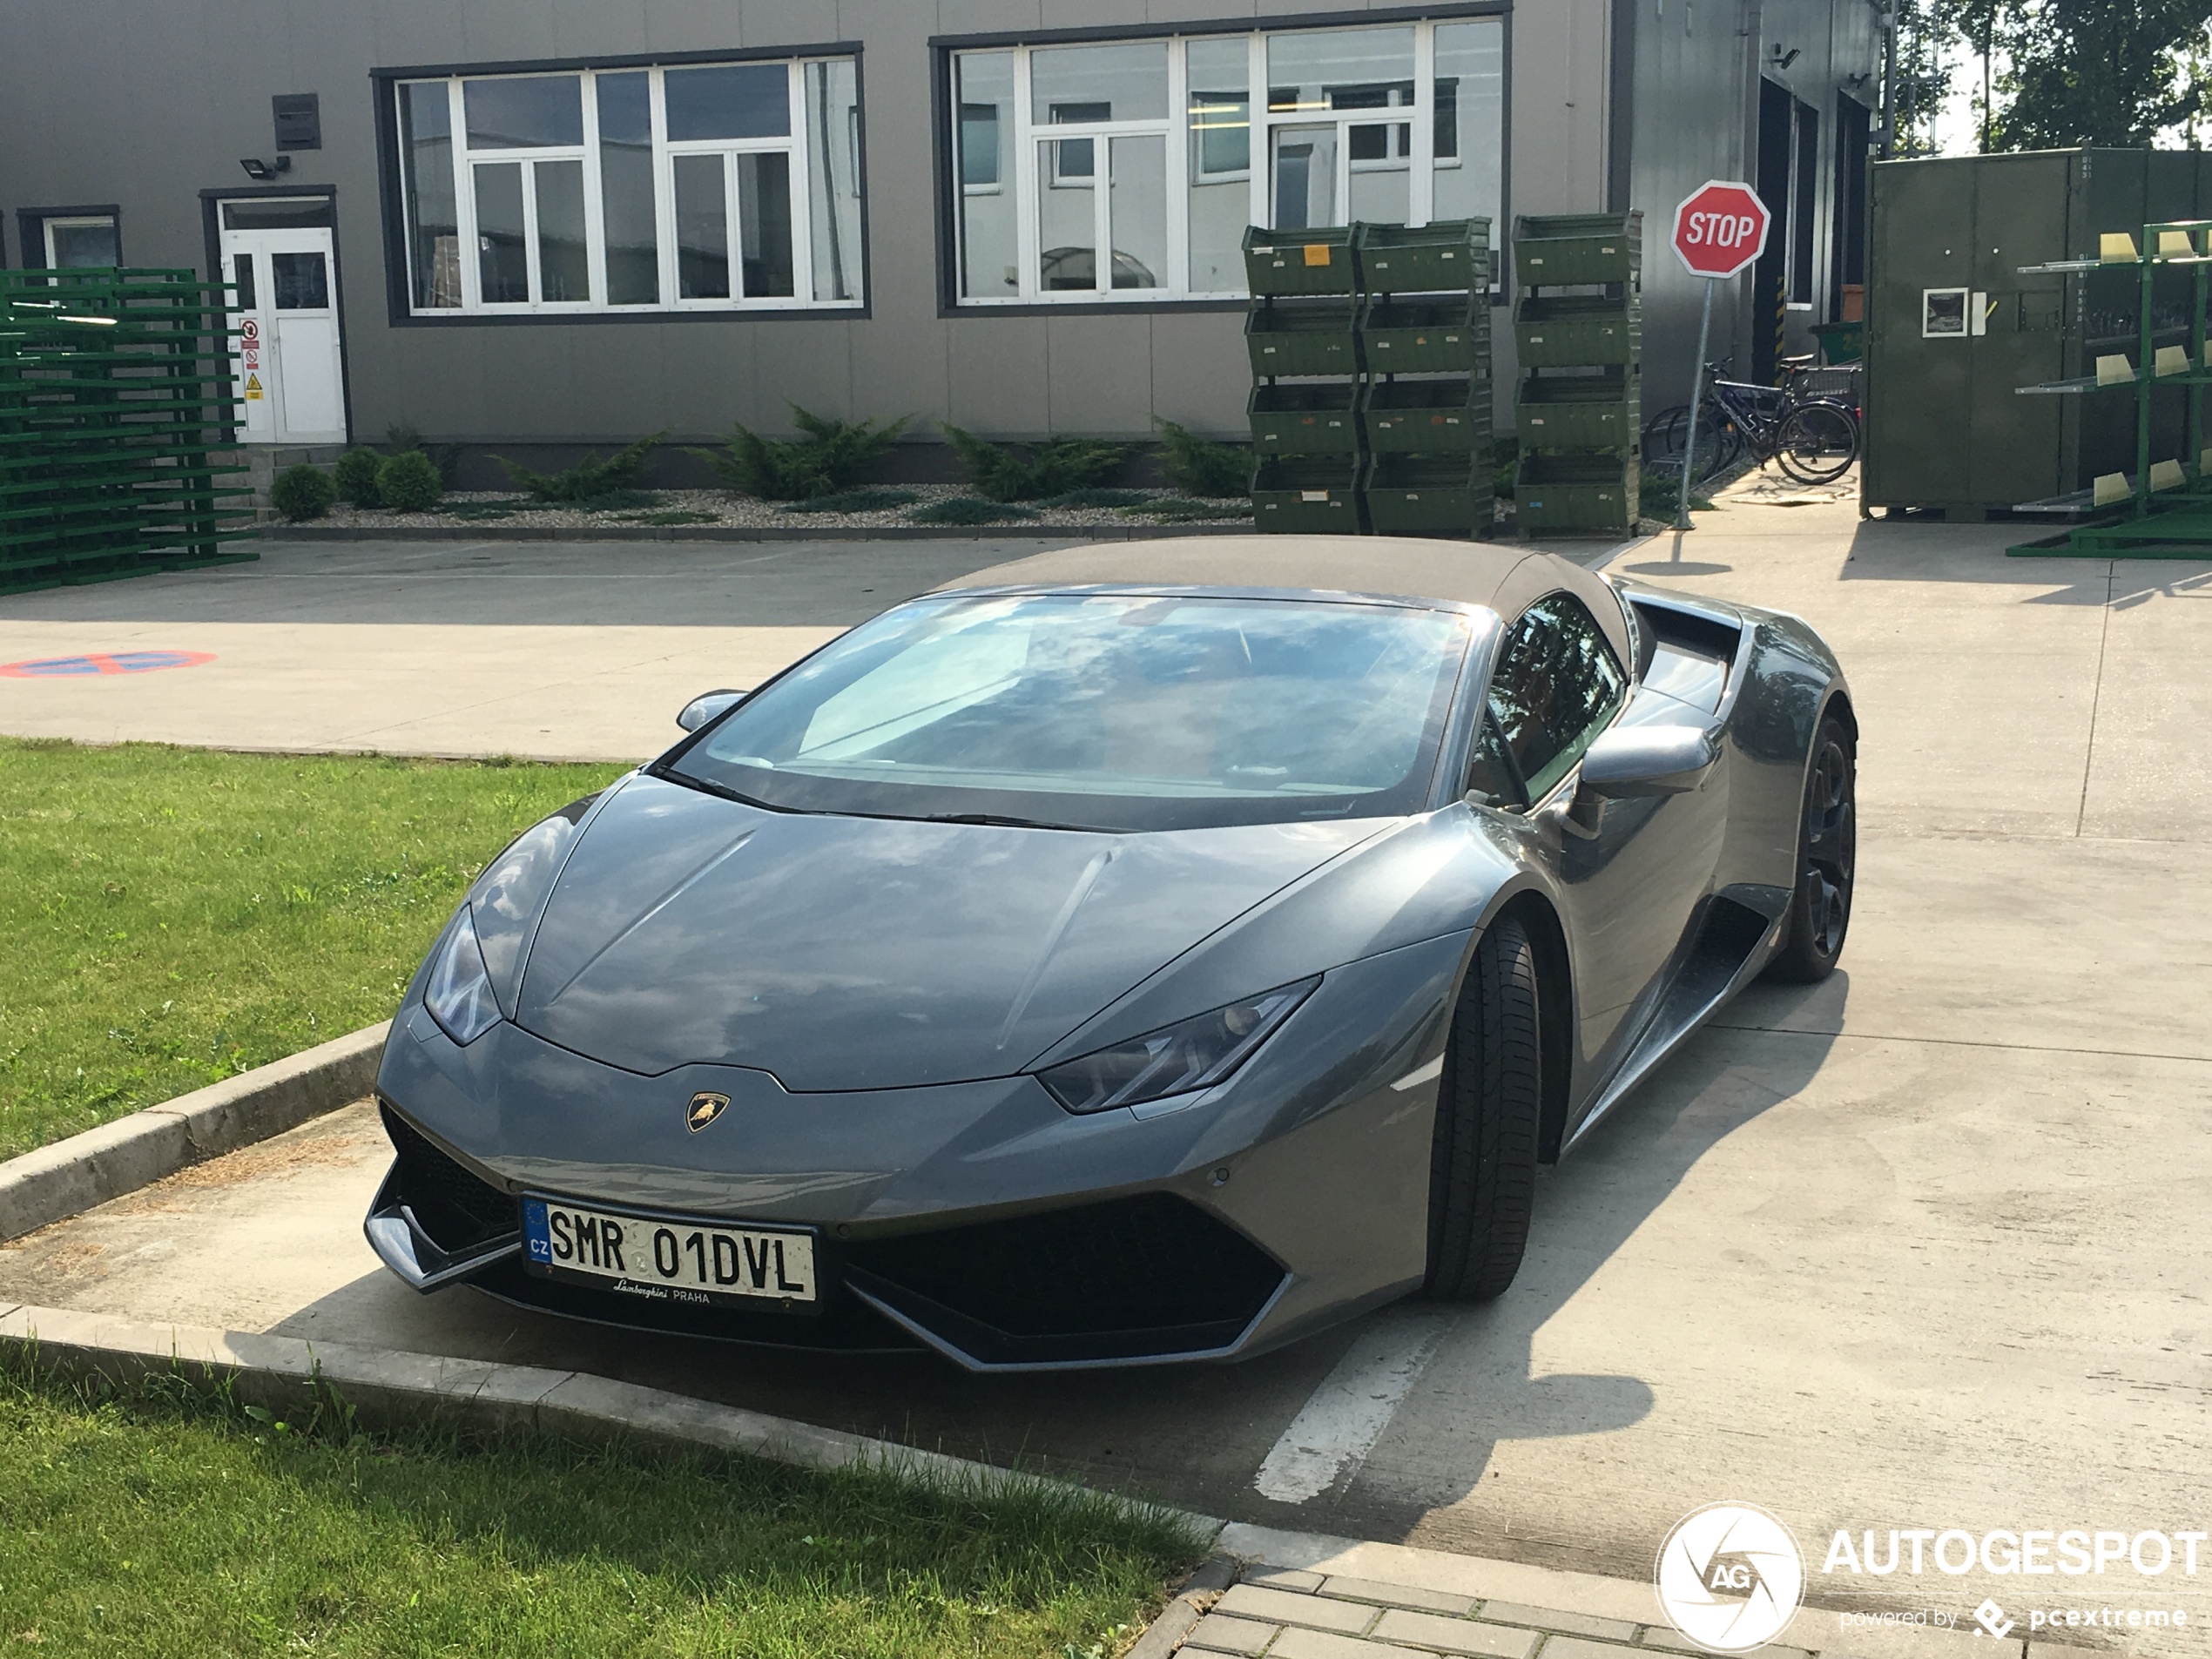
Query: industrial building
[[523, 226]]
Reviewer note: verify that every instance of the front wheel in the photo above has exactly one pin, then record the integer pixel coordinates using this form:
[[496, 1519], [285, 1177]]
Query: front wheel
[[1489, 1107], [1816, 442], [1827, 859]]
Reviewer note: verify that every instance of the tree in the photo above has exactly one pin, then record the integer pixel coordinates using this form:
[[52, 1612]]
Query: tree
[[2092, 72]]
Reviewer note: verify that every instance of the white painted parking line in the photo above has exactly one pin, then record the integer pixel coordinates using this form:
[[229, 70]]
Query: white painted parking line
[[1341, 1422]]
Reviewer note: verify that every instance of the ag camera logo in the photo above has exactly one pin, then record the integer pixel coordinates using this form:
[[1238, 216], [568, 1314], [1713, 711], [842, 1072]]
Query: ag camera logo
[[1730, 1577]]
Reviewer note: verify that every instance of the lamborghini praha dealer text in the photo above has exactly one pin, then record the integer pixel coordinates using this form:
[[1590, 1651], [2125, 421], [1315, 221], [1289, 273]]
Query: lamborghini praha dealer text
[[1125, 955]]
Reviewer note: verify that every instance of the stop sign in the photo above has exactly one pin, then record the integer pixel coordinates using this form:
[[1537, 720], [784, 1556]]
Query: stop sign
[[1720, 228]]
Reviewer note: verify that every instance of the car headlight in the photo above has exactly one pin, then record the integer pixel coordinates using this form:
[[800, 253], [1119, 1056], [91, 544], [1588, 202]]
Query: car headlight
[[459, 992], [1175, 1059]]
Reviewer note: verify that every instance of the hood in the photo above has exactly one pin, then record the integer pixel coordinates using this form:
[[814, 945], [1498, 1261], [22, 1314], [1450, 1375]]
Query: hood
[[855, 952]]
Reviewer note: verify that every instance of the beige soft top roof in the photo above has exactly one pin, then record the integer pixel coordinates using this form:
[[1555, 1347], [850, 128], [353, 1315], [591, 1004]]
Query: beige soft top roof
[[1505, 579]]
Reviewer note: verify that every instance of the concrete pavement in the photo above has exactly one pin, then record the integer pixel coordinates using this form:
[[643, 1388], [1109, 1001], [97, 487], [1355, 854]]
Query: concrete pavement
[[1917, 1248], [568, 651]]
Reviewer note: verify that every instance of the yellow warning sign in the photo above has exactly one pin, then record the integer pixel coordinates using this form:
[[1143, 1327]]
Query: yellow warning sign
[[252, 387]]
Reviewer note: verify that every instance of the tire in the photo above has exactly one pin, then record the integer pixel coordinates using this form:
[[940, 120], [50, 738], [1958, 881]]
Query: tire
[[1816, 442], [1483, 1165], [1720, 444], [1827, 857]]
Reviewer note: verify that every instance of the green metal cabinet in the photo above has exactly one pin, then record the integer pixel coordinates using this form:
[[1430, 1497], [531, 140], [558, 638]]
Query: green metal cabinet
[[1953, 326]]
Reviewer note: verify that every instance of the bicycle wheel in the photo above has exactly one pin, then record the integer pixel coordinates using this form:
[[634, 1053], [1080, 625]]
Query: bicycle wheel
[[1816, 442], [1719, 440]]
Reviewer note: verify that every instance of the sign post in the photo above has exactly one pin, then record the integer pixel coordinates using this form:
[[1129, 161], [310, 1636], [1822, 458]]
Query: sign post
[[1719, 229]]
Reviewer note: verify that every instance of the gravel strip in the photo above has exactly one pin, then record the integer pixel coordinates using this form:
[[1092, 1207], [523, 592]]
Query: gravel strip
[[720, 507]]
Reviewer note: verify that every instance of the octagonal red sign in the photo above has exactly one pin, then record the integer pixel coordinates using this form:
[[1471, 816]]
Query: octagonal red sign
[[1721, 228]]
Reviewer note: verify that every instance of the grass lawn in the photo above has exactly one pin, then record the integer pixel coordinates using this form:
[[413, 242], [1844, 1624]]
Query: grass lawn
[[169, 1522], [172, 916]]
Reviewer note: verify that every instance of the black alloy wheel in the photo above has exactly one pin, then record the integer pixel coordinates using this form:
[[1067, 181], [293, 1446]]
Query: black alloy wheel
[[1827, 857], [1489, 1107]]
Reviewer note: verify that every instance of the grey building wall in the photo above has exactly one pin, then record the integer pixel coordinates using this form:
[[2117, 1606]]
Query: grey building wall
[[1694, 59], [146, 106]]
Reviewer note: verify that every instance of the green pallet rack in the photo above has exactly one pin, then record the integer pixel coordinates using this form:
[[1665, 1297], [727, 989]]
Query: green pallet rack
[[1576, 492], [1577, 250], [1426, 416], [1303, 336], [1299, 262], [1427, 495], [1439, 258], [1341, 323], [1578, 331], [1577, 411], [116, 396], [1306, 418], [1307, 495]]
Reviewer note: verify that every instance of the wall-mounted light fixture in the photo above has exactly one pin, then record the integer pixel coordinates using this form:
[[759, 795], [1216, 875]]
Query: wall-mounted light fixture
[[261, 171], [1782, 59]]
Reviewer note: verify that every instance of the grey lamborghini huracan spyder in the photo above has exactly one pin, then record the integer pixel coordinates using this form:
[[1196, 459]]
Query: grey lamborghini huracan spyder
[[1132, 954]]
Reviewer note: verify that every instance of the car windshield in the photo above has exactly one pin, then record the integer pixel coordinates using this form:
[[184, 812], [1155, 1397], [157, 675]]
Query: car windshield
[[1111, 712]]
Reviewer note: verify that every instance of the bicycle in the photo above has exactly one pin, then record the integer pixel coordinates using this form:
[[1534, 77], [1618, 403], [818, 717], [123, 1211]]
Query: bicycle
[[1814, 439]]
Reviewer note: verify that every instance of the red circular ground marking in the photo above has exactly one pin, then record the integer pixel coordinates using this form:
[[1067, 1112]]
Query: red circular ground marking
[[120, 661]]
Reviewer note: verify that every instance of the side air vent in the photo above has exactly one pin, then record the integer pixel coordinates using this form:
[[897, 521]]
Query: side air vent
[[458, 1210]]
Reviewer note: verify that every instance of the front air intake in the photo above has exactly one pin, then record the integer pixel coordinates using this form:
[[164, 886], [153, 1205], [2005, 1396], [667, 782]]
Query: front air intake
[[458, 1210], [1149, 1274]]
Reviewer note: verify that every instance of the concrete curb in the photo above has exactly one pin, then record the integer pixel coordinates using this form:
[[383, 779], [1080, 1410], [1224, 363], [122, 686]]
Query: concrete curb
[[499, 532], [384, 1385], [1190, 1603], [60, 1180]]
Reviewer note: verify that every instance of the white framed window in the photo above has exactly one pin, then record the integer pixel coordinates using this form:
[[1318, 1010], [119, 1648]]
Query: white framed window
[[1160, 152], [78, 241], [685, 187]]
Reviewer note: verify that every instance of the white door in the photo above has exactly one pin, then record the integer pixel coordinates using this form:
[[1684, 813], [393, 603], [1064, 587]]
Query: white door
[[290, 364]]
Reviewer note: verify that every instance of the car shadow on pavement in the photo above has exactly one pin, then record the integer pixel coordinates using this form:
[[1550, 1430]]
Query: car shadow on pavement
[[1486, 1385], [1195, 1435]]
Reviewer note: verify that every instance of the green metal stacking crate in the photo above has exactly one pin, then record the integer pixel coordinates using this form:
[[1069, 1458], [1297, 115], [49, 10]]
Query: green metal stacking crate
[[1408, 417], [115, 396], [1573, 330], [1310, 261], [1579, 492], [1302, 337], [1447, 255], [1306, 418], [1307, 495], [1578, 412], [1424, 337], [1572, 250], [1427, 495]]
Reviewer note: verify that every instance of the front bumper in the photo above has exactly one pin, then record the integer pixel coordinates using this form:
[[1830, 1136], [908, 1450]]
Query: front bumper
[[979, 1219]]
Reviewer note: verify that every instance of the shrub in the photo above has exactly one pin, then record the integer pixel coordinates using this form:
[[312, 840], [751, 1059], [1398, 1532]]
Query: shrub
[[590, 477], [967, 509], [1201, 466], [855, 501], [355, 476], [1050, 468], [446, 457], [827, 460], [409, 483], [302, 492]]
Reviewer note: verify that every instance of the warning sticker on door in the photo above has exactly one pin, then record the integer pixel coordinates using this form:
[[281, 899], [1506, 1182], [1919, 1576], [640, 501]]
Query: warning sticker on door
[[252, 387]]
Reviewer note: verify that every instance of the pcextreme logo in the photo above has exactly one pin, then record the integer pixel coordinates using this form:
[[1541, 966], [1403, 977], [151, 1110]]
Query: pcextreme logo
[[1730, 1577]]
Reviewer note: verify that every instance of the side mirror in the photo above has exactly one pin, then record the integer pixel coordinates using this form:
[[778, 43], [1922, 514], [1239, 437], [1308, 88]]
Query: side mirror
[[705, 706], [1643, 760]]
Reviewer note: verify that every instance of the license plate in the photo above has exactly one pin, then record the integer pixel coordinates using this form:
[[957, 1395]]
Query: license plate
[[668, 1261]]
